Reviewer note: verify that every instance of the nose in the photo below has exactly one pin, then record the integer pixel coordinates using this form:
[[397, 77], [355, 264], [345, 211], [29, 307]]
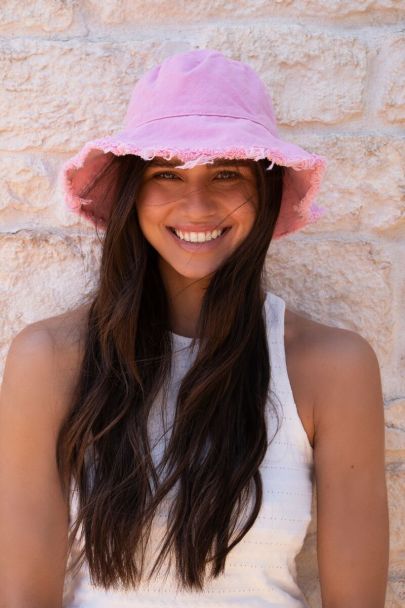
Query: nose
[[198, 202]]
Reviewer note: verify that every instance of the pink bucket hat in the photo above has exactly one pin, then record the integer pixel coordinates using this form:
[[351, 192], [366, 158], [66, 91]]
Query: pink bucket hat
[[196, 106]]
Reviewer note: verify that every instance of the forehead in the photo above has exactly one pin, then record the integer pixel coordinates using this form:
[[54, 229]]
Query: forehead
[[158, 161]]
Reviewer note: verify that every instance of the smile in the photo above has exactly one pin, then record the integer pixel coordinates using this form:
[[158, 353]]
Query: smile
[[198, 237], [198, 240]]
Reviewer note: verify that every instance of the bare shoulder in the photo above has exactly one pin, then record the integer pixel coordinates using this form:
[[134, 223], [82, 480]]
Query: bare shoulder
[[324, 363], [62, 334], [325, 344], [327, 363], [59, 332], [50, 348]]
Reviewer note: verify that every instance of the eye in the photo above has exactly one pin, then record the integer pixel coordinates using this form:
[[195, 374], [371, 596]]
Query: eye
[[232, 174], [159, 175]]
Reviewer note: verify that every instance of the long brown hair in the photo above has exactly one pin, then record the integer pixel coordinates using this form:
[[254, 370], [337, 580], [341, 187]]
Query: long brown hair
[[219, 436]]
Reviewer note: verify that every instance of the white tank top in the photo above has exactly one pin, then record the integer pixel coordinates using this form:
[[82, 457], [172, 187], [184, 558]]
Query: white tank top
[[260, 571]]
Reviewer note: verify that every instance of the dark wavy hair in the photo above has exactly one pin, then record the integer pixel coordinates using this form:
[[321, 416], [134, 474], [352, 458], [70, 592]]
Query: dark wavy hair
[[219, 435]]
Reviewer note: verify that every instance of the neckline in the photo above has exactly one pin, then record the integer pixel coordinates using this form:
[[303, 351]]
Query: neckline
[[179, 340]]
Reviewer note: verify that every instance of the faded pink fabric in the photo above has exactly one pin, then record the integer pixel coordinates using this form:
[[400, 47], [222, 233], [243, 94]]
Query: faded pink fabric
[[197, 106]]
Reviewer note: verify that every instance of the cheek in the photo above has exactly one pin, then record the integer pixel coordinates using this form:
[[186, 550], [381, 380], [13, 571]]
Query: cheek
[[245, 215], [149, 215], [242, 204], [152, 203]]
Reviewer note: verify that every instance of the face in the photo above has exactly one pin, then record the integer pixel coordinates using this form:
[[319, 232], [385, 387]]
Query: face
[[195, 218]]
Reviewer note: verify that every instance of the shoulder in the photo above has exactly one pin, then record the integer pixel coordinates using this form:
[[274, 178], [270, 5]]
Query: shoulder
[[343, 362], [330, 352], [321, 338], [348, 389], [46, 355], [57, 334], [338, 367]]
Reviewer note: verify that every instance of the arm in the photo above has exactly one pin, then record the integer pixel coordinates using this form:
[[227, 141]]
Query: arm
[[33, 512], [353, 527]]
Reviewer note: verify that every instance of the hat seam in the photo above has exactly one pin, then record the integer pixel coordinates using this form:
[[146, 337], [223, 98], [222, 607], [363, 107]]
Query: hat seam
[[145, 122]]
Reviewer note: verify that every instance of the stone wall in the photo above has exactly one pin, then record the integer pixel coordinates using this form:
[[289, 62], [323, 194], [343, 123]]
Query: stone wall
[[335, 70]]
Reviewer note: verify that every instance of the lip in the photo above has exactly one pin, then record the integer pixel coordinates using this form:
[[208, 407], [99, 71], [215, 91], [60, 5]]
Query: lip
[[207, 246]]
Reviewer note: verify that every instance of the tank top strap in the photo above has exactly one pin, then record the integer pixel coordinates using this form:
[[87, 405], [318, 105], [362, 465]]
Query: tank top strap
[[280, 382]]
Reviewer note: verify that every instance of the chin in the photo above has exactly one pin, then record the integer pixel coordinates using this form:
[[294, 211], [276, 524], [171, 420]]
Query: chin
[[195, 275], [192, 271]]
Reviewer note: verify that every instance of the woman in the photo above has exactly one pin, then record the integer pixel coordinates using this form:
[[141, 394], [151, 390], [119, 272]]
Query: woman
[[170, 429]]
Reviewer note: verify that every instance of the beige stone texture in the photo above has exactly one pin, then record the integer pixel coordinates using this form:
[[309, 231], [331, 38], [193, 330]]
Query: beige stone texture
[[38, 17], [334, 69], [136, 12], [396, 489], [392, 88], [42, 274], [363, 189], [25, 187], [395, 430]]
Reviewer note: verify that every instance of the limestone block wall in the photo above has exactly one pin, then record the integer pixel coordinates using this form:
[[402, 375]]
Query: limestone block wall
[[335, 70]]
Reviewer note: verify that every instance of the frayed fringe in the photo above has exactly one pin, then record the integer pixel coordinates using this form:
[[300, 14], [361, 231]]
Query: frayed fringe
[[305, 211]]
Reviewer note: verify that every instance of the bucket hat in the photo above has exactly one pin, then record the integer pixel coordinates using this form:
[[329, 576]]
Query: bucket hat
[[197, 106]]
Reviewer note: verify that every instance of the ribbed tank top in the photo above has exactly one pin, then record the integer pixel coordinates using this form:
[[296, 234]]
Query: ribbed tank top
[[260, 571]]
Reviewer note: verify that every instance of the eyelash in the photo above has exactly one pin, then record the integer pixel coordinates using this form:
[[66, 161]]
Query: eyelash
[[234, 174]]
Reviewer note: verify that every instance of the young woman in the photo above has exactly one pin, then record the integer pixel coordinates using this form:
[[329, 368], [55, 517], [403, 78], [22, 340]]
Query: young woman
[[163, 438]]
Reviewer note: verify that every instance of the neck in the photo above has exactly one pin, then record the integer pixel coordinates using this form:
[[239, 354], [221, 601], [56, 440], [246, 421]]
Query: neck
[[185, 297]]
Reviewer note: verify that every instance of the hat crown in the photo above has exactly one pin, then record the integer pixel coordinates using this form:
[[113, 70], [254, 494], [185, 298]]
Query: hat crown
[[204, 82]]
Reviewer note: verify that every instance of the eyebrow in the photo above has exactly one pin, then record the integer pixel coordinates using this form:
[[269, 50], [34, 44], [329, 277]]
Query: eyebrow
[[156, 162]]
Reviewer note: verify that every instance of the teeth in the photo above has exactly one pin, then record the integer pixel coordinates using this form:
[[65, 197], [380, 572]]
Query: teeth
[[198, 237]]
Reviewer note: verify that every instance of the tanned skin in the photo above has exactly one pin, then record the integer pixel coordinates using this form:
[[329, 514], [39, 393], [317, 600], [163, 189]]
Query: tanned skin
[[335, 379]]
